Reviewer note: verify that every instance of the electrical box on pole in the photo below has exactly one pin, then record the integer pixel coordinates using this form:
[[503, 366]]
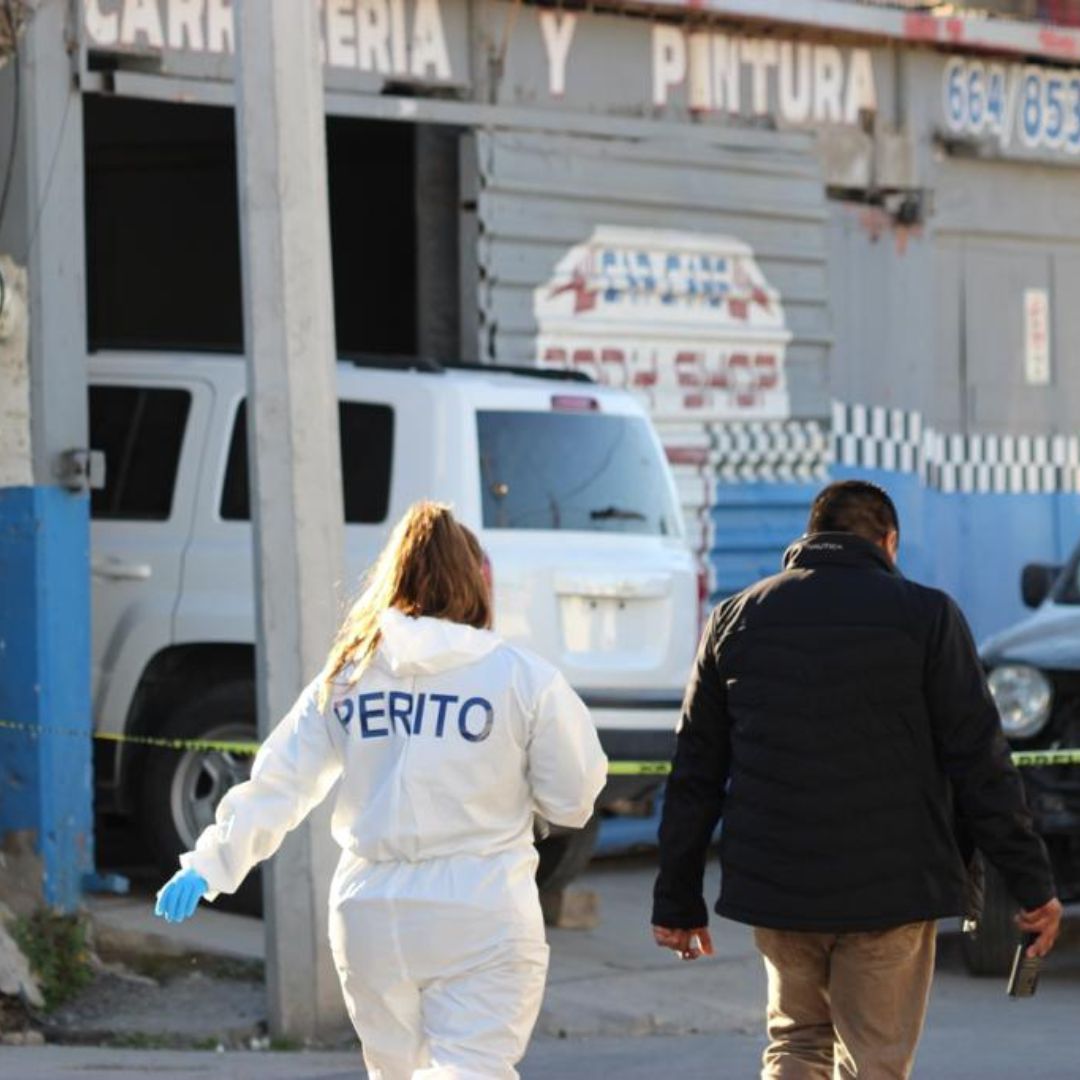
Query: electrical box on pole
[[293, 452]]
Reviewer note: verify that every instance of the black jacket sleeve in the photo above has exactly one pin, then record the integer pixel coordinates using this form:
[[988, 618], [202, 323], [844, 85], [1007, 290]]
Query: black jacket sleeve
[[975, 756], [694, 797]]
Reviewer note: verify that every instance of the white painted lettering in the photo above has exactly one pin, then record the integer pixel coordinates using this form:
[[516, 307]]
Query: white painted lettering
[[429, 53], [220, 32], [142, 19], [861, 92], [759, 55], [186, 24], [669, 61], [828, 84], [726, 73], [103, 28], [373, 36], [796, 88], [699, 88], [341, 33], [398, 38], [558, 31]]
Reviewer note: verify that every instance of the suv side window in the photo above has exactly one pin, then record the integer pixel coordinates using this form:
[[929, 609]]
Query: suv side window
[[367, 448], [141, 431]]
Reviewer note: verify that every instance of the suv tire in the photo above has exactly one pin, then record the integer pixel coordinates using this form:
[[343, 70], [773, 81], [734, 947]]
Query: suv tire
[[564, 854], [181, 788], [989, 949]]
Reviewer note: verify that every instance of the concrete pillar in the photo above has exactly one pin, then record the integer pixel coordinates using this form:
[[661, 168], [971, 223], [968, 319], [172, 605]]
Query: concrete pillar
[[45, 778], [293, 450]]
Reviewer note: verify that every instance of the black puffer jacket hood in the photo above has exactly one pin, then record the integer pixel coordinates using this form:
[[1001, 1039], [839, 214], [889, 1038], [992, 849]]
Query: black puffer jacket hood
[[838, 720]]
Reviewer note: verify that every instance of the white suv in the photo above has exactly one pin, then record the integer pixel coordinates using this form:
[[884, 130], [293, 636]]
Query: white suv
[[564, 481]]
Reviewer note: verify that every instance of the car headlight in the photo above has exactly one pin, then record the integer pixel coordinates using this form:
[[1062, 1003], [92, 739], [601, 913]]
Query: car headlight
[[1023, 695]]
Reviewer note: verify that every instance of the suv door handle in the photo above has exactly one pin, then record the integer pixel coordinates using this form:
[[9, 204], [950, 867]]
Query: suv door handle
[[117, 570]]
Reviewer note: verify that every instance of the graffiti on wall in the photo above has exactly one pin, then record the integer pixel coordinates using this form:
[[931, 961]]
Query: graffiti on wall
[[687, 322]]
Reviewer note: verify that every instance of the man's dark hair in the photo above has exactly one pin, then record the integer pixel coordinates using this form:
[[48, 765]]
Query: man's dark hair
[[854, 506]]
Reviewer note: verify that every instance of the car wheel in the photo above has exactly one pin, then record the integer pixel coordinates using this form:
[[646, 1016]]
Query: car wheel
[[989, 949], [565, 854], [182, 788]]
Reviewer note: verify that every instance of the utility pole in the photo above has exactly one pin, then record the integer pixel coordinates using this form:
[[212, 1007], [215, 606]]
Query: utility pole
[[293, 453]]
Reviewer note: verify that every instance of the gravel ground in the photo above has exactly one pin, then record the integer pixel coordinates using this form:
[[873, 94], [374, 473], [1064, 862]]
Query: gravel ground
[[185, 1009]]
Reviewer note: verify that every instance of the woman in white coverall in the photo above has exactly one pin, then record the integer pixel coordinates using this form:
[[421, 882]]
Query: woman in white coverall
[[446, 740]]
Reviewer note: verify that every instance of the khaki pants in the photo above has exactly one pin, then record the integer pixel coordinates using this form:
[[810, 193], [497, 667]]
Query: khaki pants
[[846, 1005]]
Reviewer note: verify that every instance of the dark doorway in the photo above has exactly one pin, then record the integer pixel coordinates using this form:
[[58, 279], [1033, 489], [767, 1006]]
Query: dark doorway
[[162, 229], [373, 233]]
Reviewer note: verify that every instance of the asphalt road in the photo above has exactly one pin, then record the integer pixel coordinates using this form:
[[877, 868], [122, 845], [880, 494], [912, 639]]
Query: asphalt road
[[618, 1007]]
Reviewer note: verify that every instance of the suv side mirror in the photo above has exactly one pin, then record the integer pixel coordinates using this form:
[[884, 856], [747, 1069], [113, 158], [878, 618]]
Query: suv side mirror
[[1036, 580]]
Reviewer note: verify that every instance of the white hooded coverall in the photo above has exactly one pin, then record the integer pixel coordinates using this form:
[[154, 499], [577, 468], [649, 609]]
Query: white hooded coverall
[[445, 746]]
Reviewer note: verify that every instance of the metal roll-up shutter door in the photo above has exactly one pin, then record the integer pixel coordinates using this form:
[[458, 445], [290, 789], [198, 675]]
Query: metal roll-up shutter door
[[541, 194]]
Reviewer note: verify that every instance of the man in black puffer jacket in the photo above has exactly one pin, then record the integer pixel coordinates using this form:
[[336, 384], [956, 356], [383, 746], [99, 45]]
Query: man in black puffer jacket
[[838, 720]]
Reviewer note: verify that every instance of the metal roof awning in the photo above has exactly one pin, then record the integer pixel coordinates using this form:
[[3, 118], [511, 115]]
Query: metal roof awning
[[953, 29]]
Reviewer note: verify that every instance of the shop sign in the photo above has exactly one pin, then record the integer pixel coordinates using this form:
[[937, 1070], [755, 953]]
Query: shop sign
[[706, 71], [801, 82], [711, 71], [404, 39], [1036, 337], [1020, 106], [685, 320]]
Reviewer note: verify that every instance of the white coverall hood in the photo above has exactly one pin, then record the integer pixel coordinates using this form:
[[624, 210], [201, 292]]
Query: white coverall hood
[[445, 746], [425, 646]]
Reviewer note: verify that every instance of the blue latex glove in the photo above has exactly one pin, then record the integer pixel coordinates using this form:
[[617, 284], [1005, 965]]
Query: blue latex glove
[[180, 895]]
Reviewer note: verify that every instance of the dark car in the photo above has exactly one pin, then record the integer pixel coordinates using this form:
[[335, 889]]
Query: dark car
[[1034, 674]]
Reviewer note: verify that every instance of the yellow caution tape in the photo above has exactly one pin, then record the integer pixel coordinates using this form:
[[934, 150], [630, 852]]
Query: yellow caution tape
[[639, 768], [1022, 758], [220, 745], [1040, 758]]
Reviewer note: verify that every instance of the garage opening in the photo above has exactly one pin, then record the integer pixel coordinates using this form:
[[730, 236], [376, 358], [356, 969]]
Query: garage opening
[[163, 241]]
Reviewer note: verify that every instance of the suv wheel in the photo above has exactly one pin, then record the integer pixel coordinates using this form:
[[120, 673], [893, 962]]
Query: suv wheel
[[989, 950], [182, 788], [564, 854]]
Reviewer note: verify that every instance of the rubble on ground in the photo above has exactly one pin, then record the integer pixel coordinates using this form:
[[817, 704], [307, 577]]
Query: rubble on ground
[[16, 978]]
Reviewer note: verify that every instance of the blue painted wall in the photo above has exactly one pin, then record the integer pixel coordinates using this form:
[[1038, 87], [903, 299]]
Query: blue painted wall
[[973, 545], [46, 779], [752, 526]]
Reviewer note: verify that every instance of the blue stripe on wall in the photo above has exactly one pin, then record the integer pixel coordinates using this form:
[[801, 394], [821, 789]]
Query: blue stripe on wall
[[971, 545], [752, 526], [46, 782], [974, 545]]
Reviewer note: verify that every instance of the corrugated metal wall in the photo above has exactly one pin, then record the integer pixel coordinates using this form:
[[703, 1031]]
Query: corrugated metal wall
[[743, 484], [541, 193], [930, 368]]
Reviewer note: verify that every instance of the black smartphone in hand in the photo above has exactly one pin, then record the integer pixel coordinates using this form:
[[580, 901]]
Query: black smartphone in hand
[[1025, 970]]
